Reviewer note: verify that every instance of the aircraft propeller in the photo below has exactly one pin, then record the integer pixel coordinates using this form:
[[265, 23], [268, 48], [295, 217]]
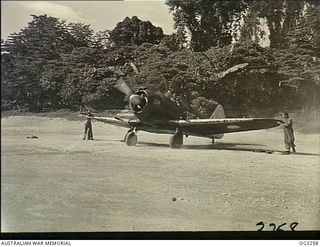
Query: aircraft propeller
[[136, 101], [123, 87]]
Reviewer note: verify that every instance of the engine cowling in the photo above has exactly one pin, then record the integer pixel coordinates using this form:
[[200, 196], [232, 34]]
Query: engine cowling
[[138, 101], [155, 107]]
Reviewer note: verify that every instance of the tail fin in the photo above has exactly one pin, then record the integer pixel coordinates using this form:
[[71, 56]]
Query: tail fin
[[218, 113]]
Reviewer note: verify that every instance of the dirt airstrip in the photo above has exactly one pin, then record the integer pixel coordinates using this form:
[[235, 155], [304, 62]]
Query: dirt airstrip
[[58, 182]]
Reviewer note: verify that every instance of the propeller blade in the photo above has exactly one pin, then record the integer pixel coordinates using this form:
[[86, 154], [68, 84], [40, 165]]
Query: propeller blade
[[134, 67], [232, 70], [123, 87]]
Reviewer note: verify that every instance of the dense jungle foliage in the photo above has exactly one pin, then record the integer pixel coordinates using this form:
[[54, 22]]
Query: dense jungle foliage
[[52, 64]]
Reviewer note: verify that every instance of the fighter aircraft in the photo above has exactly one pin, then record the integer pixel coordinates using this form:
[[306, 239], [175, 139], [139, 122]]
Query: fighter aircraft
[[158, 113]]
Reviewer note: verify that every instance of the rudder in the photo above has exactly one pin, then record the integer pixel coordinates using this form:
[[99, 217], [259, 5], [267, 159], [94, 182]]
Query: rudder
[[218, 114]]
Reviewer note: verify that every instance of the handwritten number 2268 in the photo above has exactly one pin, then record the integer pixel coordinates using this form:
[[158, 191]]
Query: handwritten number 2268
[[275, 228]]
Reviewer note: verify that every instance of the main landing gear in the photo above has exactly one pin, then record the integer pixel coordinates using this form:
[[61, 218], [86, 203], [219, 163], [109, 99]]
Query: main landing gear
[[131, 138], [176, 141]]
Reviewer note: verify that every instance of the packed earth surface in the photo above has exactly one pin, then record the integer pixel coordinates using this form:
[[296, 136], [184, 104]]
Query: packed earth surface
[[53, 181]]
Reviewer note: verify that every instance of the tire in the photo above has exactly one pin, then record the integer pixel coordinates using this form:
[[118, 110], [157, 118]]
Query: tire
[[176, 141], [131, 139], [125, 137]]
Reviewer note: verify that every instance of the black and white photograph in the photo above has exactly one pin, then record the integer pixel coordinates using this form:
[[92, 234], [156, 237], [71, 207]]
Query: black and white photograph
[[163, 116]]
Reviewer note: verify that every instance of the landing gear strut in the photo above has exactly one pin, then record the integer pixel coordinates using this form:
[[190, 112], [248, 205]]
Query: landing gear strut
[[131, 138], [176, 141]]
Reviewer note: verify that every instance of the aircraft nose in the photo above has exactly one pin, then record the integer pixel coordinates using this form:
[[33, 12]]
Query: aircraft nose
[[135, 99], [137, 102]]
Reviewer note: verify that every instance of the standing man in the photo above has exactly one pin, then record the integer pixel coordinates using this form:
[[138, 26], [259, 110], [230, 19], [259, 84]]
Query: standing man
[[288, 133], [88, 127]]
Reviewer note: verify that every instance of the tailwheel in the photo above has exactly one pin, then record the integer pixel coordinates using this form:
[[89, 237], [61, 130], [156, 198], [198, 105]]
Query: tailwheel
[[176, 141], [131, 139]]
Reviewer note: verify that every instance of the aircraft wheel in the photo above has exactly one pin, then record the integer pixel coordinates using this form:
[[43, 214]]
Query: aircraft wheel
[[176, 140], [125, 137], [131, 139], [212, 141]]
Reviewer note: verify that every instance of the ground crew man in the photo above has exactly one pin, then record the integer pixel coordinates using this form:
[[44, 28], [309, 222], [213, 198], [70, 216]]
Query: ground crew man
[[88, 127], [288, 133]]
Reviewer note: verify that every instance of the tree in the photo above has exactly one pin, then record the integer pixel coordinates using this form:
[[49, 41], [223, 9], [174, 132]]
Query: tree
[[251, 29], [281, 17], [135, 31], [210, 23], [196, 78], [306, 36], [81, 35], [29, 50], [253, 87], [52, 64], [101, 39], [41, 43], [300, 62]]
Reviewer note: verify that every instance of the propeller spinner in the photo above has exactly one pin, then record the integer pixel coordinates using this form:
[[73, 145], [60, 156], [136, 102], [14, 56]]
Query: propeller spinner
[[137, 101]]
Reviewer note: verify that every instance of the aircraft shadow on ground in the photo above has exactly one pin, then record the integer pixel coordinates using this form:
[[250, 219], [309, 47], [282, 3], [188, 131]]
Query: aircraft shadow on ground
[[226, 146], [252, 147]]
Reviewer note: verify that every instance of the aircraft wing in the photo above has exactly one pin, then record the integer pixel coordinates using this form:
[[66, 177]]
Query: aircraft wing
[[198, 127], [208, 127], [127, 123]]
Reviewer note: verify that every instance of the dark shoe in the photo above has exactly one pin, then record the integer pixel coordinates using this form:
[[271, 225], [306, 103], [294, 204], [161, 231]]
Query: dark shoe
[[293, 150]]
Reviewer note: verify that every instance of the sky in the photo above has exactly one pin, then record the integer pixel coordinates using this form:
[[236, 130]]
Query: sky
[[101, 15]]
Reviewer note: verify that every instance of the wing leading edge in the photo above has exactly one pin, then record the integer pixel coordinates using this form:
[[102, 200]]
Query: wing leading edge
[[127, 123]]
